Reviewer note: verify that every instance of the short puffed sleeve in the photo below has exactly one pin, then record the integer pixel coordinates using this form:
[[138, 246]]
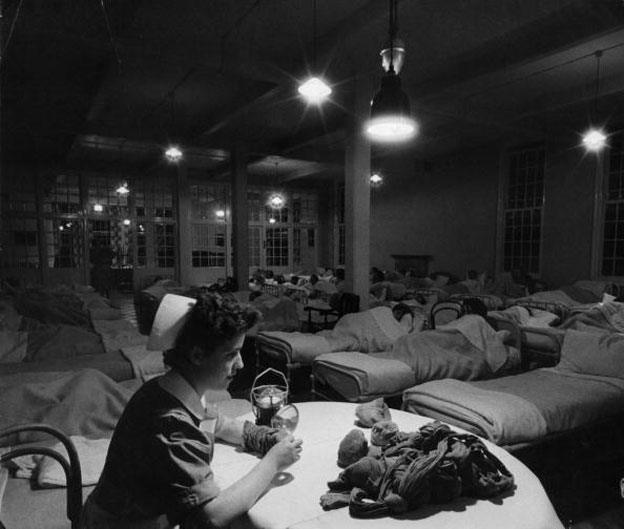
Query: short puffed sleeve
[[181, 454]]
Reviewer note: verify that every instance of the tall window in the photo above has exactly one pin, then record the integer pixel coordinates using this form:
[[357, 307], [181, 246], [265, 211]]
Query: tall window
[[277, 247], [524, 202], [63, 228], [19, 236], [209, 224], [164, 242], [613, 231]]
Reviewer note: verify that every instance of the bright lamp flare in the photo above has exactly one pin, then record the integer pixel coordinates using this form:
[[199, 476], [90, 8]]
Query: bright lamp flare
[[314, 90], [173, 154], [126, 222], [98, 208], [391, 129], [220, 214], [594, 140], [123, 189], [276, 201], [272, 220], [376, 179]]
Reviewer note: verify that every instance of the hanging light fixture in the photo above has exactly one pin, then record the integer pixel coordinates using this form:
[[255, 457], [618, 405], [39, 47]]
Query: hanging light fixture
[[595, 138], [173, 153], [276, 200], [376, 179], [123, 189], [314, 89], [390, 119]]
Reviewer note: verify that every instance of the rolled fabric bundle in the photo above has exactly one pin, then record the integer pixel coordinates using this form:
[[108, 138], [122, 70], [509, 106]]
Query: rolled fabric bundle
[[352, 448], [372, 412], [260, 439], [384, 433]]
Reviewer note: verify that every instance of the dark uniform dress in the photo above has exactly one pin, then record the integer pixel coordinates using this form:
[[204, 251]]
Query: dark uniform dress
[[157, 469]]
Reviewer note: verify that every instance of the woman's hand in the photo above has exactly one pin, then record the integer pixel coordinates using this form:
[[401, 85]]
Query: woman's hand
[[286, 452]]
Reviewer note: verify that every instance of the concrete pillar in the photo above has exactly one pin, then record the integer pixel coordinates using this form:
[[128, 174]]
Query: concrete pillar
[[240, 217], [357, 195], [184, 246]]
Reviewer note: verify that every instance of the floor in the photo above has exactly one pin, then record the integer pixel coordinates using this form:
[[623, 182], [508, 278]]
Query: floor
[[589, 498]]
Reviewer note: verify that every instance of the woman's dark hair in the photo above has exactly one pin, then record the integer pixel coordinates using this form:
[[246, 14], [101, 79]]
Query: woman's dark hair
[[340, 274], [400, 310], [377, 276], [212, 321], [314, 279]]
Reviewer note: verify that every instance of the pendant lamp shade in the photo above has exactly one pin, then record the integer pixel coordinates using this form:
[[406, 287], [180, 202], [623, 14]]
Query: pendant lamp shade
[[390, 119]]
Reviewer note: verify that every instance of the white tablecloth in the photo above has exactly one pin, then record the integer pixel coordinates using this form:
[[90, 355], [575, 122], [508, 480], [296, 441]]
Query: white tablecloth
[[294, 502]]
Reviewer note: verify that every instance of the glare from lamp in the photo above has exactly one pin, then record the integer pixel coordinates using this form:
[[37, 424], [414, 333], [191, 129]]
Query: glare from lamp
[[123, 189], [126, 222], [391, 128], [276, 201], [314, 90], [594, 140], [173, 154], [61, 228], [98, 208], [376, 179], [220, 214], [272, 220]]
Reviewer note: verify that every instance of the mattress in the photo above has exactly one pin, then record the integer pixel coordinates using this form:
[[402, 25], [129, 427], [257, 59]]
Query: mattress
[[291, 347], [523, 408], [361, 377], [113, 364]]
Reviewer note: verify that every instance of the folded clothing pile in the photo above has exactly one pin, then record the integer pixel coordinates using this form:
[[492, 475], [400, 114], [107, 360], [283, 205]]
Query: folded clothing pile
[[402, 471]]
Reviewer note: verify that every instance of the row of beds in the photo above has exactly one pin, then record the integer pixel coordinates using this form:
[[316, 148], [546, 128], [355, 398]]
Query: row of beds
[[81, 376], [543, 367]]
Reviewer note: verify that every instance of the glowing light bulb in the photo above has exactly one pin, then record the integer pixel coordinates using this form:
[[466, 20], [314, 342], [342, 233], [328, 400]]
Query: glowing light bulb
[[173, 153], [126, 222], [314, 90], [123, 189], [276, 201], [220, 214], [98, 208], [272, 220], [594, 140], [376, 179]]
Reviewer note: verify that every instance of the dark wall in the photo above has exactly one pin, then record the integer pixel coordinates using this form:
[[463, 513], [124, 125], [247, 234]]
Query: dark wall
[[568, 216], [448, 209], [445, 208]]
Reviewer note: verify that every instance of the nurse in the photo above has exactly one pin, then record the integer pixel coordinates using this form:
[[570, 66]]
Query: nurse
[[157, 472]]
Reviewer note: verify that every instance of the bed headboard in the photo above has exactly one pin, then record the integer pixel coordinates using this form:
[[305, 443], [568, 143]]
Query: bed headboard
[[562, 311]]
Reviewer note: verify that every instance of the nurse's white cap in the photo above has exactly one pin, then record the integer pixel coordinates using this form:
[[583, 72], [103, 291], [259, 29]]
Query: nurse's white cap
[[170, 317]]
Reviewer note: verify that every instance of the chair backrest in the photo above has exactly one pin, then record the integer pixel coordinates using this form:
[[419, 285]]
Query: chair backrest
[[348, 303], [444, 311], [71, 467]]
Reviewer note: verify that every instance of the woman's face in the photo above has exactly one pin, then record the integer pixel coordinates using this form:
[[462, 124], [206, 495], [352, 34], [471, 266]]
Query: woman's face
[[220, 367]]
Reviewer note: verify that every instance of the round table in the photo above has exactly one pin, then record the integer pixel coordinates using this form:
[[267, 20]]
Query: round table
[[293, 502]]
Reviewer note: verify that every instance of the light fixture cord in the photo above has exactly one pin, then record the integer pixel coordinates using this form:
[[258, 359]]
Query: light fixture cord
[[392, 30], [314, 37], [598, 55]]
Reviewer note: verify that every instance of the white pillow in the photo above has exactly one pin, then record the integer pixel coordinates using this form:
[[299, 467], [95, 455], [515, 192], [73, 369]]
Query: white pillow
[[593, 353]]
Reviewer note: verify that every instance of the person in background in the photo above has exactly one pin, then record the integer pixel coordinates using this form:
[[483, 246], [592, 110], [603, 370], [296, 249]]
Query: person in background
[[157, 472], [340, 280]]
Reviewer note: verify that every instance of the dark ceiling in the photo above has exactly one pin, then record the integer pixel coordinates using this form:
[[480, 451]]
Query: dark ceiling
[[101, 82]]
